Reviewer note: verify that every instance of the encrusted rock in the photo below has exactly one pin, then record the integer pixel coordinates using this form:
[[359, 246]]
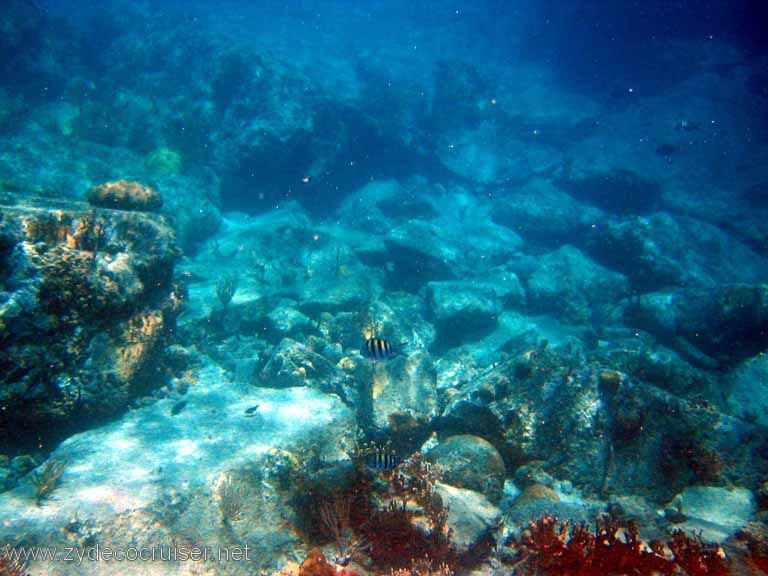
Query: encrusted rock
[[125, 195], [287, 321], [541, 212], [421, 251], [470, 462], [619, 190], [89, 306], [661, 251], [403, 384], [295, 364]]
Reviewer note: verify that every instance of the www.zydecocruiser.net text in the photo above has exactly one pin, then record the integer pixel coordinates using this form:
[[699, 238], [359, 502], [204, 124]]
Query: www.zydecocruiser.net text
[[97, 553]]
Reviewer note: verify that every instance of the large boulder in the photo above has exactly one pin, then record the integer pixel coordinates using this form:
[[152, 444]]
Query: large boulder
[[86, 307], [403, 385], [748, 390], [472, 519], [573, 288], [542, 213], [618, 190], [710, 327], [660, 251], [601, 430], [464, 310], [470, 462], [487, 155], [713, 513]]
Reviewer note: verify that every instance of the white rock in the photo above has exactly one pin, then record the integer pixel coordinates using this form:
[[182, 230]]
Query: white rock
[[717, 512]]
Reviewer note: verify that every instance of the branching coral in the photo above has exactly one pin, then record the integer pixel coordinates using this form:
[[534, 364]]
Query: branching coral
[[551, 548]]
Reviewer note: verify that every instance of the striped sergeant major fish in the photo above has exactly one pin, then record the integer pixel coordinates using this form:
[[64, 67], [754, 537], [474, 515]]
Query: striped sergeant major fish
[[380, 349]]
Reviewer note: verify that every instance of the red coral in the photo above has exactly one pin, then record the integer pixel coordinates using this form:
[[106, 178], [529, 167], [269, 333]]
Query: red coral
[[10, 566], [547, 548], [316, 565]]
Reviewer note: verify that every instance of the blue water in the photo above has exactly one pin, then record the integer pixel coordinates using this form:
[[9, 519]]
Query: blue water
[[554, 211]]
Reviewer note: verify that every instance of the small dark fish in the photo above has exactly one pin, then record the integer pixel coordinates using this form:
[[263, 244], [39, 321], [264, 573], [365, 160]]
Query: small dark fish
[[380, 349], [666, 150], [178, 407], [250, 411], [383, 460]]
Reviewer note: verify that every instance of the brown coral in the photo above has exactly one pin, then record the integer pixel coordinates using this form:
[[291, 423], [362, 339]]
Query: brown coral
[[125, 195]]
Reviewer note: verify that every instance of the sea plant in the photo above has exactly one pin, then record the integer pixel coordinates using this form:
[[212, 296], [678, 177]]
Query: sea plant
[[393, 520], [46, 478], [232, 494], [226, 288], [336, 523]]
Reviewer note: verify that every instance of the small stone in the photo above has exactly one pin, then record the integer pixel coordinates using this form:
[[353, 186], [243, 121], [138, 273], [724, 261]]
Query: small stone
[[536, 492], [532, 473]]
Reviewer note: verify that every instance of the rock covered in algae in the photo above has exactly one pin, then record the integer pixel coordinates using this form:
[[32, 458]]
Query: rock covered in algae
[[87, 300], [125, 195]]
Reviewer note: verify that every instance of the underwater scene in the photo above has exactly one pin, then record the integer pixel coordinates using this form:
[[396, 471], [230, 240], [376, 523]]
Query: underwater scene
[[383, 287]]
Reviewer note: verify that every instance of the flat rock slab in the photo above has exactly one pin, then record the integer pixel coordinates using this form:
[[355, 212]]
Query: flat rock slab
[[151, 479], [714, 513]]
